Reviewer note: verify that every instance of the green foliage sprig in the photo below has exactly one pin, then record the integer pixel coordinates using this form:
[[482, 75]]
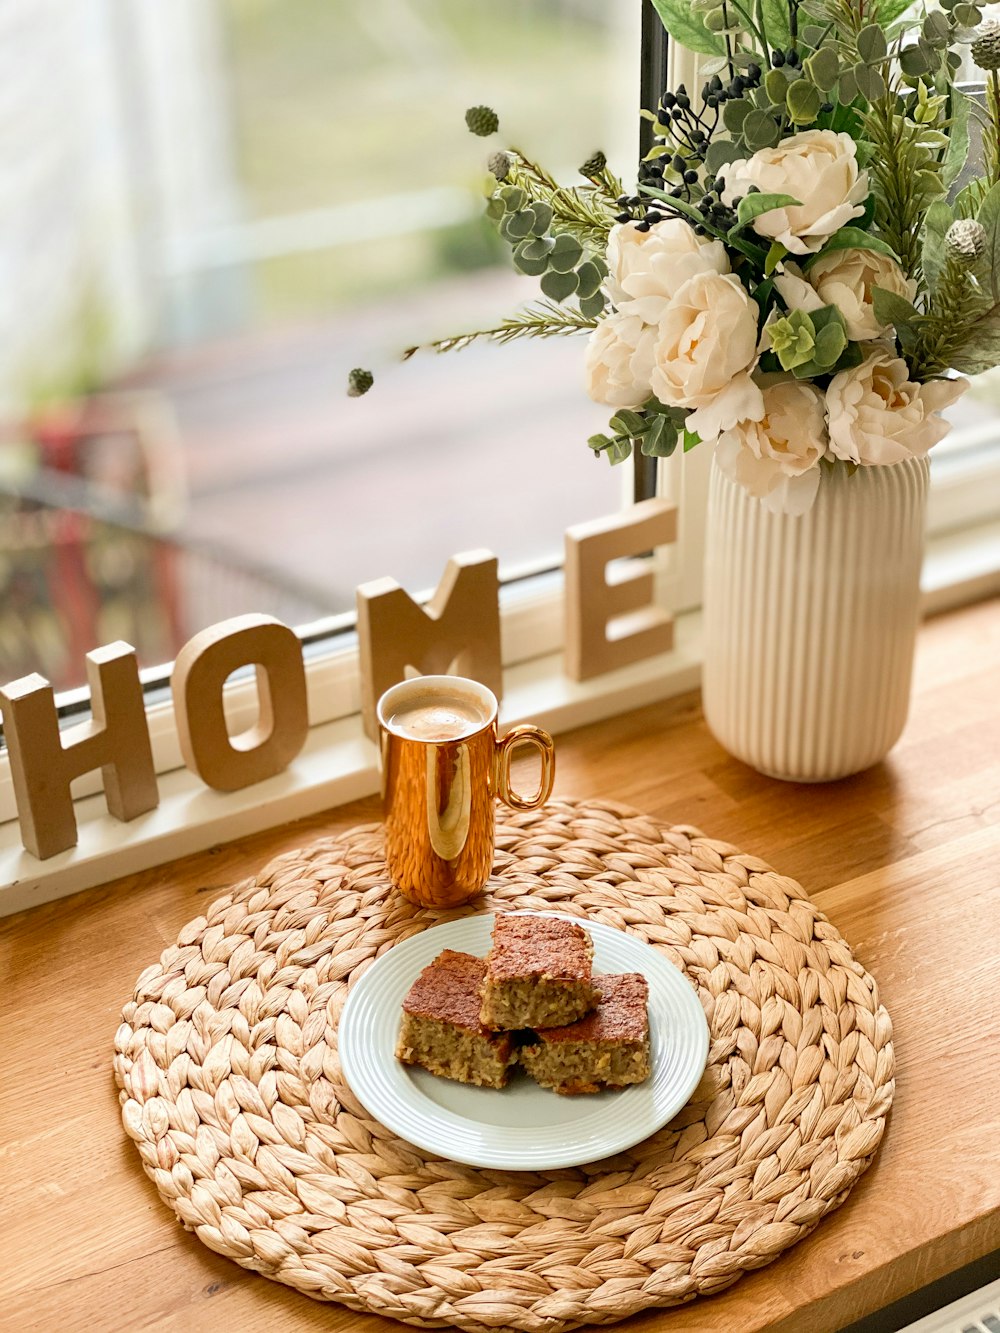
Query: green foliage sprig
[[540, 319], [654, 430]]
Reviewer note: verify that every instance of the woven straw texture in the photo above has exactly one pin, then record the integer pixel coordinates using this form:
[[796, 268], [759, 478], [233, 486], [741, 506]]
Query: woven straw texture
[[232, 1093]]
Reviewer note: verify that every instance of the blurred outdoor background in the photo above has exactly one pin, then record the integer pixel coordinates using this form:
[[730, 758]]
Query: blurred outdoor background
[[217, 208], [214, 210]]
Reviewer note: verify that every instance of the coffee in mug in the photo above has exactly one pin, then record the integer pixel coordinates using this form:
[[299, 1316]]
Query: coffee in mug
[[428, 718], [443, 767]]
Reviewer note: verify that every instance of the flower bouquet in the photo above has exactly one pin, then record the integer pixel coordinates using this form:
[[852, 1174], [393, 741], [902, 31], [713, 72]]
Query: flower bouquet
[[796, 278], [808, 263]]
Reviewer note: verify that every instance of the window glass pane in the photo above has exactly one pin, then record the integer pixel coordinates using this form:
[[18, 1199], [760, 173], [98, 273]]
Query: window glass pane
[[225, 206]]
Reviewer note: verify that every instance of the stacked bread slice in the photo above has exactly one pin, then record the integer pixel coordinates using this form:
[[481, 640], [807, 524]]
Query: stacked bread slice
[[533, 1000]]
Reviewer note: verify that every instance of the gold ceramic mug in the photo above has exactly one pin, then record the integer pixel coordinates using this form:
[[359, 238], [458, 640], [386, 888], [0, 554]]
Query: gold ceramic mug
[[443, 766]]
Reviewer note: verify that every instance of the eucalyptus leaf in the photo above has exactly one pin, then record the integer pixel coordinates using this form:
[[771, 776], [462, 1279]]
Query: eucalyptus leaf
[[871, 84], [718, 21], [598, 442], [827, 315], [518, 224], [533, 267], [495, 208], [914, 61], [823, 67], [776, 86], [872, 45], [830, 342], [543, 217], [723, 151], [626, 422], [803, 102], [566, 253], [760, 130], [588, 278], [966, 16], [660, 440], [620, 451], [514, 198], [936, 29], [592, 306], [558, 286], [537, 248], [847, 88], [734, 114], [752, 205]]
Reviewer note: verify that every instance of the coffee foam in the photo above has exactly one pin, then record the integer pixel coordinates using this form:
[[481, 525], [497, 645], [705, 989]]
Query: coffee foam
[[435, 716]]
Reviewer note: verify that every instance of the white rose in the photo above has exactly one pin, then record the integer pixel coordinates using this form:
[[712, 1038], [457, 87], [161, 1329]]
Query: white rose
[[818, 167], [619, 361], [705, 347], [777, 458], [879, 416], [845, 279], [647, 268]]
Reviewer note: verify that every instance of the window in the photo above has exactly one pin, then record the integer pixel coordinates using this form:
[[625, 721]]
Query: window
[[291, 192]]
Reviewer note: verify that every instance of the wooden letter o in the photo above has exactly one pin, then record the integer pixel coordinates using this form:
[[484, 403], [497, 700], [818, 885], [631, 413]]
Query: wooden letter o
[[202, 668]]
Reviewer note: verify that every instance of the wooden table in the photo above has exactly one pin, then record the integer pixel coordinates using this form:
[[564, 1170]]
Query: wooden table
[[905, 859]]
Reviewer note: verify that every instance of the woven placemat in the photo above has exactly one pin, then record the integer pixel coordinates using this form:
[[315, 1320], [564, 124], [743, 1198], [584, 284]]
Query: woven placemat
[[232, 1092]]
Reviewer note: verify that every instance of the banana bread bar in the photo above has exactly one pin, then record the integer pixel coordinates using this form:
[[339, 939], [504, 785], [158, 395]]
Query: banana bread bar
[[537, 973], [609, 1048], [441, 1029]]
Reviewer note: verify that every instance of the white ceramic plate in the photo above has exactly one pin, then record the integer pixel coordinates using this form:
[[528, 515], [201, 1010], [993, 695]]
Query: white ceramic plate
[[522, 1127]]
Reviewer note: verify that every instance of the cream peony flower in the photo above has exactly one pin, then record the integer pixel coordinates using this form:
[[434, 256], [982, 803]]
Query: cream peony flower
[[619, 360], [845, 279], [646, 269], [818, 167], [777, 458], [878, 416], [706, 345]]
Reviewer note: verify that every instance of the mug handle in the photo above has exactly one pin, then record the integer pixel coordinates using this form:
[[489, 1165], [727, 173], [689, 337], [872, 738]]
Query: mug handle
[[542, 741]]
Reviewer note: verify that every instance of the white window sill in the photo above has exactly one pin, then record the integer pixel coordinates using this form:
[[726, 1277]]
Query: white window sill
[[339, 763]]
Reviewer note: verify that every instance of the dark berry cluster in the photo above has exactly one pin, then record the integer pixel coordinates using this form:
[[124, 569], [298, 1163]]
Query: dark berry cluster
[[689, 133], [635, 208], [715, 93], [717, 215]]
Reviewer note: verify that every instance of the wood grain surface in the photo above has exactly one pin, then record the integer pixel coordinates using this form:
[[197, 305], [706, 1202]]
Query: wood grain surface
[[905, 859]]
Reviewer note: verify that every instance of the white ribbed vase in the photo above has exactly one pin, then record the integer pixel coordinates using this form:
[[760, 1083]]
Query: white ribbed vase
[[810, 622]]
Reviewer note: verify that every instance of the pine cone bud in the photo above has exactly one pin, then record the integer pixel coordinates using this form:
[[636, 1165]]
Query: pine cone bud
[[986, 44], [965, 240], [359, 382], [482, 120], [594, 165], [499, 165]]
